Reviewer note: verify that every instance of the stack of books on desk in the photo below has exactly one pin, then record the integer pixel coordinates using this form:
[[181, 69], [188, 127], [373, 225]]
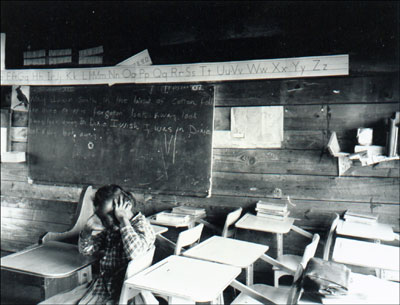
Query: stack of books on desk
[[277, 211], [367, 218], [173, 218], [187, 210]]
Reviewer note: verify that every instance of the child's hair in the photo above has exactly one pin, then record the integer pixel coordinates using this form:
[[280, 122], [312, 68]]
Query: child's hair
[[111, 191]]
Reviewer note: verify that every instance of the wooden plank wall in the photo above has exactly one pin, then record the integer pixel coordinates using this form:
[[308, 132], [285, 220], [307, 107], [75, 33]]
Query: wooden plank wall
[[301, 169]]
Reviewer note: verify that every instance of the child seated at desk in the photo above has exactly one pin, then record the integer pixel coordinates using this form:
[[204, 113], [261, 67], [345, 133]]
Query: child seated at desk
[[116, 233]]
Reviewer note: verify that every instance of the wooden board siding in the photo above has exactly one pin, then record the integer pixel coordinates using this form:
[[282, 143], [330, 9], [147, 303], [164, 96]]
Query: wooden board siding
[[381, 88], [302, 169], [28, 229], [308, 187], [36, 215], [309, 126], [26, 219], [40, 191], [295, 162]]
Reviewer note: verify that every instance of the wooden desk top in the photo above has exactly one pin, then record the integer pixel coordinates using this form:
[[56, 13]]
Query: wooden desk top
[[258, 223], [51, 260], [159, 229], [184, 277], [366, 254], [377, 231], [227, 251]]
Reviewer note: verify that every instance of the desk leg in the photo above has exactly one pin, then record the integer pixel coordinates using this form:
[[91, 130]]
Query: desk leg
[[378, 272], [126, 294], [250, 292], [209, 225], [166, 241], [279, 244], [249, 275], [302, 232]]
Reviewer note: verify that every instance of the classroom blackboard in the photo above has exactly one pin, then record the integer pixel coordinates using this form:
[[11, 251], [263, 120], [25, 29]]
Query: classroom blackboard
[[156, 138]]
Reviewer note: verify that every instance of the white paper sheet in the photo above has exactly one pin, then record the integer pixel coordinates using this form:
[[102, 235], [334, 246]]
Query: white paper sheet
[[252, 127]]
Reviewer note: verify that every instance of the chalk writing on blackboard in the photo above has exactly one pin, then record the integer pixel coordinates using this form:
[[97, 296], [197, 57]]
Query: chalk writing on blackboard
[[152, 137]]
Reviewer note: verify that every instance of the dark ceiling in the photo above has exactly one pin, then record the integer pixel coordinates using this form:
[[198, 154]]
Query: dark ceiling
[[203, 31]]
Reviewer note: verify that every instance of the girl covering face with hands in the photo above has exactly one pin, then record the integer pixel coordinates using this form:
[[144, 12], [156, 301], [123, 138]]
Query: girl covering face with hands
[[117, 233], [113, 208]]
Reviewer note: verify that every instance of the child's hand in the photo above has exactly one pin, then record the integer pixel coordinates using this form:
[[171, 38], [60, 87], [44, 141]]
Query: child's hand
[[122, 210], [93, 225]]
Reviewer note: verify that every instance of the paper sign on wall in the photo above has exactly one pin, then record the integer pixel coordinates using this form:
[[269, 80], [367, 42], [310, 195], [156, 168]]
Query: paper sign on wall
[[252, 127], [20, 98], [139, 59]]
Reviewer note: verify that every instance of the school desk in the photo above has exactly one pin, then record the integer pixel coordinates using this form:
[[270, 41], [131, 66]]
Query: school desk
[[158, 230], [185, 277], [47, 269], [229, 251], [189, 224], [259, 223], [376, 231], [366, 254]]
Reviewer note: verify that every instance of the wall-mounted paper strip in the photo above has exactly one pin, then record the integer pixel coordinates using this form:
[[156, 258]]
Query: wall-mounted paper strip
[[92, 60], [91, 51], [218, 71], [34, 61], [60, 52], [35, 54], [60, 60]]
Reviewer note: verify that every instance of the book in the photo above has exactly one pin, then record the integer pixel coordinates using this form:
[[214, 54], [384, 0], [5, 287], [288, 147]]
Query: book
[[372, 150], [271, 212], [272, 216], [189, 210], [367, 218], [170, 217], [275, 206]]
